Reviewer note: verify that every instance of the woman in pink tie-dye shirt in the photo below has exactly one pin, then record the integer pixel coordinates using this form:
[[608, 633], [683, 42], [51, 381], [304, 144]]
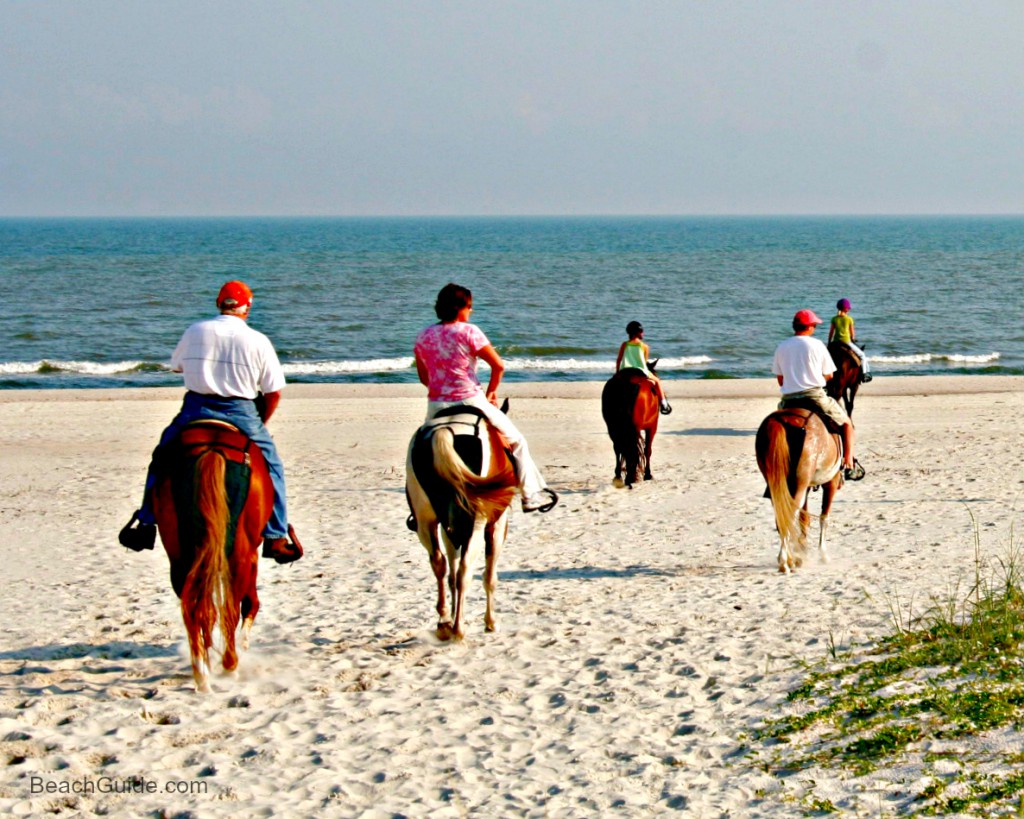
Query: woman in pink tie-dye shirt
[[446, 360]]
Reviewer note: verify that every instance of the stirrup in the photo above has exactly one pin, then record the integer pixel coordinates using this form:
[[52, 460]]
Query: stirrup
[[866, 377], [547, 507], [856, 473], [665, 409]]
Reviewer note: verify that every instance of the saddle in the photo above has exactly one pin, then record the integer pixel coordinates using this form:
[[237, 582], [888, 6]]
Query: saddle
[[469, 426], [800, 421], [239, 453]]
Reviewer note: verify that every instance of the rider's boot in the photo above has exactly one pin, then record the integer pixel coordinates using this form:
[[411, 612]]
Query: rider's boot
[[139, 538], [283, 549]]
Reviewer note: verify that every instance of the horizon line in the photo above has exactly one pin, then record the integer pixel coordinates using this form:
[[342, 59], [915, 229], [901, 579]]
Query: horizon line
[[311, 216]]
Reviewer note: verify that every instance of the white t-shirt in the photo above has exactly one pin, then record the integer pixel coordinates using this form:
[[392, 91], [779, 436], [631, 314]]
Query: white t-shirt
[[803, 362], [224, 356]]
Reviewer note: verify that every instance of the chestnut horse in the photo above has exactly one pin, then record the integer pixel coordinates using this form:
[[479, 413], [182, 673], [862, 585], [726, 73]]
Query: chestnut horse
[[212, 500], [460, 481], [629, 405], [795, 452], [848, 375]]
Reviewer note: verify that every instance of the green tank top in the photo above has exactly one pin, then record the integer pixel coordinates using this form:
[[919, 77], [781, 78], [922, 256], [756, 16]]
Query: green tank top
[[633, 356], [842, 324]]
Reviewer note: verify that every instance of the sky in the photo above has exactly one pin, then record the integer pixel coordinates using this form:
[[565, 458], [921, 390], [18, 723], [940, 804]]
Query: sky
[[535, 107]]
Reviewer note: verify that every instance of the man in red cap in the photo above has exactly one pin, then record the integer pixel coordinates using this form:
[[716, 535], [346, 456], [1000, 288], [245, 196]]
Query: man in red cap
[[226, 365], [803, 366]]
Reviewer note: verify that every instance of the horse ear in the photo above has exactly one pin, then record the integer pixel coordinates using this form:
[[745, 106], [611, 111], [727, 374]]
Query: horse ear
[[504, 406], [652, 364]]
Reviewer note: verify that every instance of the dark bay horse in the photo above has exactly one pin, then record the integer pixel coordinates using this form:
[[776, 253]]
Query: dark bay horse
[[848, 375], [212, 500], [796, 452], [629, 405], [460, 481]]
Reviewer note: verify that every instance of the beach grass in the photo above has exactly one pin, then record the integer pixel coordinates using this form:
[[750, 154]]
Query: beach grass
[[921, 712]]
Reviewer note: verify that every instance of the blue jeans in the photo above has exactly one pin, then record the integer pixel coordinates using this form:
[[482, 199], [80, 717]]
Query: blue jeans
[[242, 413]]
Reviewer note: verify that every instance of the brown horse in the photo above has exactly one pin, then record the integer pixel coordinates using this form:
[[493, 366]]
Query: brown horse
[[460, 482], [629, 405], [848, 375], [212, 500], [796, 452]]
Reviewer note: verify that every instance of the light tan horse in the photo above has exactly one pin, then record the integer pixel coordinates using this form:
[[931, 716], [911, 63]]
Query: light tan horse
[[465, 506], [795, 452], [212, 570]]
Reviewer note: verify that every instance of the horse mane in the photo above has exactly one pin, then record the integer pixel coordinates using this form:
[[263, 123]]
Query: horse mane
[[485, 495]]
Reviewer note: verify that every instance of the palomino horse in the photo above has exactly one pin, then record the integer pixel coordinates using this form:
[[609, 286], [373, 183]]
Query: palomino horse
[[796, 452], [212, 500], [629, 405], [460, 481], [848, 375]]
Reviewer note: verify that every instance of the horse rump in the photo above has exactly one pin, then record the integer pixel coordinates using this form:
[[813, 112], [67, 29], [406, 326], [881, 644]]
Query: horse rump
[[447, 467]]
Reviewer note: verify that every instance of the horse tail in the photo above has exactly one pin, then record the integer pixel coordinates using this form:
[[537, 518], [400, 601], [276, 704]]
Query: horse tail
[[207, 595], [486, 495], [777, 465]]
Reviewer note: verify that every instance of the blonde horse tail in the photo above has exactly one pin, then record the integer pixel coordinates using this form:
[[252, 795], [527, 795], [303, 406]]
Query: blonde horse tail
[[486, 495], [777, 467], [207, 597]]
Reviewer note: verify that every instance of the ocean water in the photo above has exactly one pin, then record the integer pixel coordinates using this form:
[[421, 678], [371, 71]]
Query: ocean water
[[101, 303]]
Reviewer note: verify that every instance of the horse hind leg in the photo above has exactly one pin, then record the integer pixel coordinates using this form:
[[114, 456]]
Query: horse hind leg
[[828, 493], [648, 440], [495, 538]]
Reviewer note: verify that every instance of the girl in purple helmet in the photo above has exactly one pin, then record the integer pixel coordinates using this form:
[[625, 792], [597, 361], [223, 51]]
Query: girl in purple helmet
[[842, 330]]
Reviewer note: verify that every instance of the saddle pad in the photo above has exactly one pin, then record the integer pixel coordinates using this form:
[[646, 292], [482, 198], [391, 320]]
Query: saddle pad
[[190, 444]]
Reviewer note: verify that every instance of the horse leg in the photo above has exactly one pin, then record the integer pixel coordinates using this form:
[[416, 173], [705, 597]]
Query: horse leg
[[828, 493], [495, 535], [427, 531], [250, 604], [648, 441], [463, 574], [803, 523]]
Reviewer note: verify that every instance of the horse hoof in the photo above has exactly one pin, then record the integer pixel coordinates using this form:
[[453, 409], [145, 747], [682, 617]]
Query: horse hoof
[[445, 632]]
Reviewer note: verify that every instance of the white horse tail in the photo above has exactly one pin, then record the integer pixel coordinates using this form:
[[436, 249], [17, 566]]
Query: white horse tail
[[777, 466], [485, 495]]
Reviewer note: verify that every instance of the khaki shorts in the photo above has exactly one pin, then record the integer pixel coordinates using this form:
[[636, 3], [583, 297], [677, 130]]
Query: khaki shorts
[[825, 402]]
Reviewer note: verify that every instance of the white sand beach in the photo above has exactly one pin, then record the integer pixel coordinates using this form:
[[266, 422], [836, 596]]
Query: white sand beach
[[643, 633]]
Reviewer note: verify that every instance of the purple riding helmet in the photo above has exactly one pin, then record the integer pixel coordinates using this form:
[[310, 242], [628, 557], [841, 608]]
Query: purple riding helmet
[[843, 304]]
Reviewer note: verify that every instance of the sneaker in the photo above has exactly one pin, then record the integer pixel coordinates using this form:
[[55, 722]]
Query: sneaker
[[855, 473], [665, 408], [410, 523], [283, 549], [544, 501], [138, 539]]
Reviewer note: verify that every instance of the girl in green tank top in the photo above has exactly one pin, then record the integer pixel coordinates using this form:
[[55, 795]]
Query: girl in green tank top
[[842, 330], [633, 354]]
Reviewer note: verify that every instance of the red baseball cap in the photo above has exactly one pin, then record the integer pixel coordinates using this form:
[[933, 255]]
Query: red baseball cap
[[806, 318], [234, 295]]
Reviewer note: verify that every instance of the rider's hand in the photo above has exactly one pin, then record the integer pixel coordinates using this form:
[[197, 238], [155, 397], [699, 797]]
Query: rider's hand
[[492, 396]]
